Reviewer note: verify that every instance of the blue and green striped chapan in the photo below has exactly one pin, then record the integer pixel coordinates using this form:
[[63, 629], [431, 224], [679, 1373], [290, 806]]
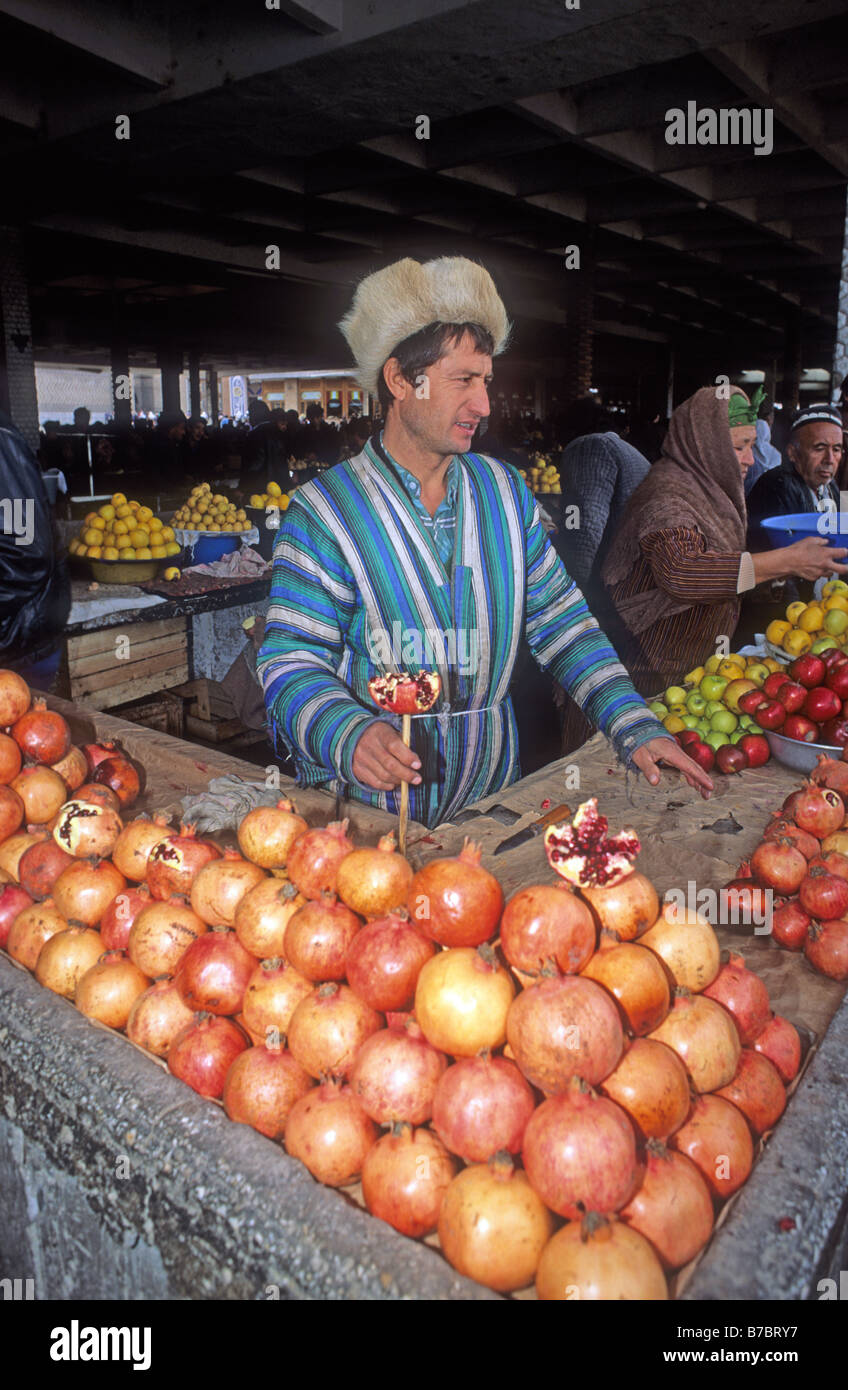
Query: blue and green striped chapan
[[354, 568]]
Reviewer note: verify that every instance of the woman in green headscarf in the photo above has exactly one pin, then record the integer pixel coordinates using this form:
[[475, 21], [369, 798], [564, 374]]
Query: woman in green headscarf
[[678, 565]]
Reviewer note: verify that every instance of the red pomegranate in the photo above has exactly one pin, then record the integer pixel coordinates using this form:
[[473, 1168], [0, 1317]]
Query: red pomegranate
[[14, 698], [462, 1000], [395, 1074], [157, 1016], [650, 1083], [273, 992], [318, 937], [831, 773], [328, 1028], [705, 1038], [262, 1086], [329, 1132], [780, 829], [547, 925], [456, 902], [789, 925], [627, 908], [564, 1027], [780, 866], [717, 1139], [32, 927], [15, 846], [405, 1176], [599, 1259], [579, 1153], [826, 948], [174, 861], [384, 960], [824, 895], [119, 774], [161, 934], [108, 990], [65, 958], [202, 1053], [482, 1105], [744, 996], [10, 759], [95, 753], [84, 890], [818, 810], [314, 858], [218, 888], [263, 915], [40, 866], [673, 1208], [635, 978], [11, 813], [267, 833], [42, 735], [13, 900], [73, 768], [87, 831], [757, 1091], [373, 882], [42, 791], [779, 1041], [97, 796], [214, 971], [116, 922], [493, 1226]]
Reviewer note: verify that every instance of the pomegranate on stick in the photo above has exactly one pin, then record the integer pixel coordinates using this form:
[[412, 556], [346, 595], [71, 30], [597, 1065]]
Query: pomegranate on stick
[[405, 695]]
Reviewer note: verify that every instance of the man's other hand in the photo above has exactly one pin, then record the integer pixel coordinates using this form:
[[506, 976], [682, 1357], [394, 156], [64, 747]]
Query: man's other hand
[[668, 750], [381, 759]]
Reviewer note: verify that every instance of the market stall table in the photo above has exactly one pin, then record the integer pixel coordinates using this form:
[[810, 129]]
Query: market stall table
[[210, 1211]]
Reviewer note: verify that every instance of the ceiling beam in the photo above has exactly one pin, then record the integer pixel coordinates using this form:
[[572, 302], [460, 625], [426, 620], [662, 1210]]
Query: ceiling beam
[[135, 42]]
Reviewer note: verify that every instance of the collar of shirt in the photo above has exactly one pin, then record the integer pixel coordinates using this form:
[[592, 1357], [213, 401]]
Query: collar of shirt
[[413, 484]]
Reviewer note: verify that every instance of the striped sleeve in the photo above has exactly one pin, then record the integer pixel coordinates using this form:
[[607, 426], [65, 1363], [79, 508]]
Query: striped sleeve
[[566, 640], [313, 597], [682, 565]]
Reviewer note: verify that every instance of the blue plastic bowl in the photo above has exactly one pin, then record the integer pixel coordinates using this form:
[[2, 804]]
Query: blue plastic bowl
[[207, 549], [785, 530]]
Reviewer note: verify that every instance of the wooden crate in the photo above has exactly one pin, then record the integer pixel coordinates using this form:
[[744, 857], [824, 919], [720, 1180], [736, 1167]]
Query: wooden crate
[[164, 712], [114, 665], [210, 713]]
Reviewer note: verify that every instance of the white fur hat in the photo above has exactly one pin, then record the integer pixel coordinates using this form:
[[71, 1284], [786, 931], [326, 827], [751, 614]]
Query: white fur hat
[[405, 297]]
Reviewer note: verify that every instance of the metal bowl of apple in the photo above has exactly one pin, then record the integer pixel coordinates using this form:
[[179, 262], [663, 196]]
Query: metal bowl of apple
[[800, 756]]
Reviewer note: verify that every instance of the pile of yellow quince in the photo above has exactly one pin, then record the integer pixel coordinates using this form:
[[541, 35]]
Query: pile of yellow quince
[[273, 496], [707, 698], [206, 510], [542, 475], [813, 627], [122, 530]]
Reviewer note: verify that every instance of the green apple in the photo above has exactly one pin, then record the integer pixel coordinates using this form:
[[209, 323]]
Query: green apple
[[824, 644], [658, 708], [695, 702], [690, 720], [716, 740], [703, 727], [748, 723], [737, 734], [712, 687], [713, 707], [757, 673], [675, 695], [724, 721]]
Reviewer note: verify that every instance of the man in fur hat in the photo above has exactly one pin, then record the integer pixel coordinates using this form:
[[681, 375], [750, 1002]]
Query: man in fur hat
[[419, 552]]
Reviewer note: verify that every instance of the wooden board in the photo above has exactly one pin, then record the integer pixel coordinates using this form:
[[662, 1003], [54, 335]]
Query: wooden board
[[112, 666]]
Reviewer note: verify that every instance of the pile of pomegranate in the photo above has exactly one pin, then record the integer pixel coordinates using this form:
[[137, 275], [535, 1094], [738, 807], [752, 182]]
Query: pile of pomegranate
[[486, 1070], [803, 860]]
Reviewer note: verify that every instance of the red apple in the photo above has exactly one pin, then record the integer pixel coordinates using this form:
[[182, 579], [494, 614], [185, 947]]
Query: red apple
[[702, 754], [833, 656], [752, 699], [809, 670], [792, 696], [731, 757], [835, 732], [798, 726], [822, 704], [770, 715], [687, 736], [756, 749], [837, 680], [772, 683]]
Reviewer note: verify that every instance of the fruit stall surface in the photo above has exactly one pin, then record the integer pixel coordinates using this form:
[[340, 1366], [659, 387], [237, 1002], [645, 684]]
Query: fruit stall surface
[[118, 1181]]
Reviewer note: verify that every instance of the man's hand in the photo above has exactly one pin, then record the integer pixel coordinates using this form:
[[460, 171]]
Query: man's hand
[[381, 759], [668, 750]]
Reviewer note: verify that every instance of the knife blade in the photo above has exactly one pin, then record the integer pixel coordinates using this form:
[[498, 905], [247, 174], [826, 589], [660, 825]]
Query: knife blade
[[536, 827]]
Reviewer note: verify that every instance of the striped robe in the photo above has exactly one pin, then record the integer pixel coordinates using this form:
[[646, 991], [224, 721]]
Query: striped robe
[[356, 574]]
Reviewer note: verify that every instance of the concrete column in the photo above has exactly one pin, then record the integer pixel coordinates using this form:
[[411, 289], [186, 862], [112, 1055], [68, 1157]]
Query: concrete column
[[170, 364], [212, 378], [18, 397], [194, 383], [579, 332], [790, 384], [840, 349], [122, 404]]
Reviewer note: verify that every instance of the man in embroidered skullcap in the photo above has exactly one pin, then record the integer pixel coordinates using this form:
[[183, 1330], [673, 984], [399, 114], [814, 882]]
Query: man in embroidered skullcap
[[807, 480], [421, 552]]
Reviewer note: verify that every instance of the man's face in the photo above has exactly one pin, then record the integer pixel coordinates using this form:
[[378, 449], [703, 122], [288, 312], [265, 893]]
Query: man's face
[[450, 400], [744, 437], [816, 451]]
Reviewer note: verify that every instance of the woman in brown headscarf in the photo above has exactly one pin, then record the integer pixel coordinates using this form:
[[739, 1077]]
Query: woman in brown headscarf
[[678, 566]]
